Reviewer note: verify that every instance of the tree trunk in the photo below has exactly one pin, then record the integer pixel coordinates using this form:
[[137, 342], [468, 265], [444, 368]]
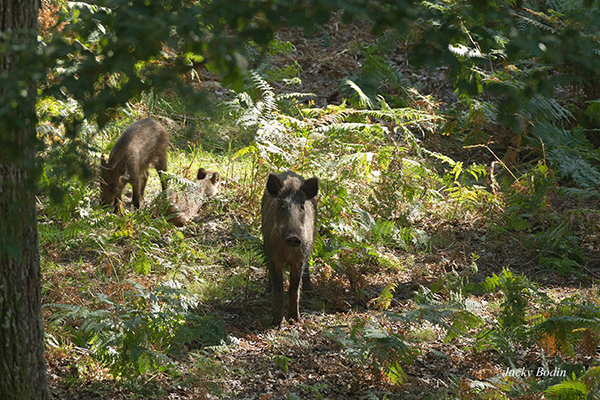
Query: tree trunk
[[22, 366]]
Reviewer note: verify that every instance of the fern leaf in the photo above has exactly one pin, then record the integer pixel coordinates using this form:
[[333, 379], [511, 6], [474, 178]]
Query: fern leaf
[[464, 51], [364, 100], [568, 390], [293, 95], [179, 181]]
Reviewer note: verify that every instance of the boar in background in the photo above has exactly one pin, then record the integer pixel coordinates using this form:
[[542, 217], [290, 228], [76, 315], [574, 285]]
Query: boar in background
[[143, 143], [183, 204]]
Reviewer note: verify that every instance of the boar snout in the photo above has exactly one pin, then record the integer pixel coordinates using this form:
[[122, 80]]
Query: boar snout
[[293, 241]]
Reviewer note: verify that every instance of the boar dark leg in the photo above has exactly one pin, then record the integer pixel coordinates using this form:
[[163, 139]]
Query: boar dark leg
[[135, 185], [161, 165], [306, 283], [294, 307], [277, 280], [144, 180], [269, 286]]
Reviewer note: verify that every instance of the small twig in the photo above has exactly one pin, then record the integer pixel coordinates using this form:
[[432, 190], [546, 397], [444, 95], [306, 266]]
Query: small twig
[[495, 156], [543, 151], [589, 270]]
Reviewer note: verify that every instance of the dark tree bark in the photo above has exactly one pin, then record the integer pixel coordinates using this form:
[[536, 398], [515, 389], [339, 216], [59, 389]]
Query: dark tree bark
[[22, 365]]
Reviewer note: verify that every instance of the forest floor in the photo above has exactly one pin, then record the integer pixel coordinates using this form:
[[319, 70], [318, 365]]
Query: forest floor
[[310, 359]]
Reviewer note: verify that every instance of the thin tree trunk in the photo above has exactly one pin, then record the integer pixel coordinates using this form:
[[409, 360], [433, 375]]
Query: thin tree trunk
[[22, 365]]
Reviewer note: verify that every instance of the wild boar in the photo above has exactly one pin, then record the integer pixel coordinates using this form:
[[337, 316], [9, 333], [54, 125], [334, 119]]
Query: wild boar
[[143, 143], [183, 205], [288, 211]]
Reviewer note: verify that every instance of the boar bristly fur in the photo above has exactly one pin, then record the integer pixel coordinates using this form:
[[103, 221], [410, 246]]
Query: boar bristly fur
[[143, 143], [209, 182], [184, 204], [288, 211]]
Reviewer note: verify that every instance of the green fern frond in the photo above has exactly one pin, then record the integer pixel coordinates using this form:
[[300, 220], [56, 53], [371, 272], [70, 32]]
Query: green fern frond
[[568, 390], [529, 21], [348, 127], [258, 248], [178, 180], [238, 105], [587, 193], [384, 300], [312, 112], [363, 99], [441, 157], [550, 108], [266, 91], [333, 118], [262, 85], [399, 115], [572, 165], [482, 385], [293, 95], [298, 123], [464, 51]]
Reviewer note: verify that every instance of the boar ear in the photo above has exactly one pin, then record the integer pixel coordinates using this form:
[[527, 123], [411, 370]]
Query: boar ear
[[121, 167], [201, 174], [274, 185], [215, 178], [310, 187]]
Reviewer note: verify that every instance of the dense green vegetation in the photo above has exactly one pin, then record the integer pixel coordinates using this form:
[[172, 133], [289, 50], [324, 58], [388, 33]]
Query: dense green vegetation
[[458, 235]]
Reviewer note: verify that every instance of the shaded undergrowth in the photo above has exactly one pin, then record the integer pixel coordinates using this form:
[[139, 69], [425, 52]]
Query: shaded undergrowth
[[412, 269]]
